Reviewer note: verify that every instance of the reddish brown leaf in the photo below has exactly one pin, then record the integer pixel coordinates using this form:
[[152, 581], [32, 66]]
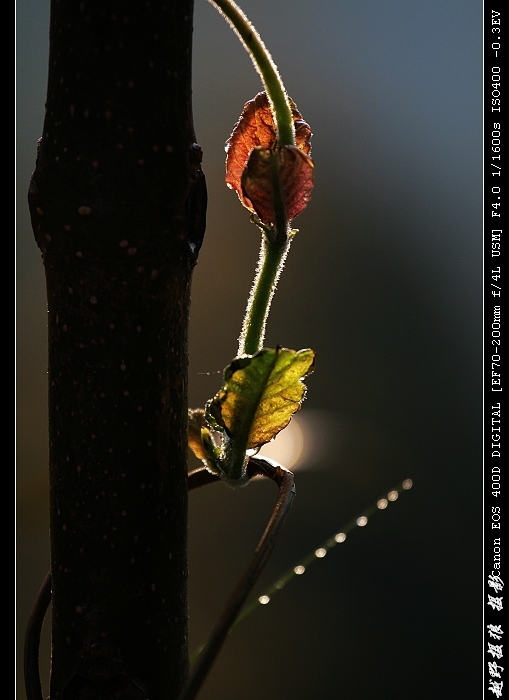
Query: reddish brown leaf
[[285, 169], [256, 128]]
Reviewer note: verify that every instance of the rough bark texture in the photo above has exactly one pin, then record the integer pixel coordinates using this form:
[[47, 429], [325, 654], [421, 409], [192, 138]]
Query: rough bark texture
[[118, 203]]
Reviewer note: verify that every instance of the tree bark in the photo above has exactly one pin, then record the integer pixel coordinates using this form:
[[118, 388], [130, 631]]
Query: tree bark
[[118, 202]]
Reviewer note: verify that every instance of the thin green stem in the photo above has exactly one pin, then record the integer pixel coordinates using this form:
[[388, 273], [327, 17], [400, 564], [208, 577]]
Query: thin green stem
[[276, 238], [273, 254], [265, 66], [270, 264], [275, 243]]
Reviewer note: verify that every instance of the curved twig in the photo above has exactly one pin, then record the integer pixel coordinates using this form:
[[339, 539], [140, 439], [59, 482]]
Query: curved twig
[[33, 639], [200, 477], [285, 481]]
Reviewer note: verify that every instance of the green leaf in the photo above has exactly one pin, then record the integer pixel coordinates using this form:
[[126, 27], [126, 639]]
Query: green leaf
[[260, 394]]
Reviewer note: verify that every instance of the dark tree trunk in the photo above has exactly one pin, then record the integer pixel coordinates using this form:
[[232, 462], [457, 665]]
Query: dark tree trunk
[[117, 203]]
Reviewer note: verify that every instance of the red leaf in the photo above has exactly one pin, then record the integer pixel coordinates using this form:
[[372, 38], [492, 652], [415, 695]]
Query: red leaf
[[286, 170], [256, 128]]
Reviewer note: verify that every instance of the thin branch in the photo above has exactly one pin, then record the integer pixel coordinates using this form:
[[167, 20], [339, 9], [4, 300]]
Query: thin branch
[[33, 640], [285, 481]]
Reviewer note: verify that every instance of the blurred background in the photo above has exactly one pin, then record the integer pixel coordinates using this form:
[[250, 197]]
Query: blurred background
[[384, 282]]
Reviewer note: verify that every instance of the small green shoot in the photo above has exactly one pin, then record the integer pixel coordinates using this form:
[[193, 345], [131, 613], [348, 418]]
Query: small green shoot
[[269, 166]]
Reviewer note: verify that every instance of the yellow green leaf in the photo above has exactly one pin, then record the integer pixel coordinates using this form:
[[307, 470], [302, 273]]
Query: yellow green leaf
[[260, 394]]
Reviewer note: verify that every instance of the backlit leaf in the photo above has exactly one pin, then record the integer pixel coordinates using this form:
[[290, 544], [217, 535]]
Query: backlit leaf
[[196, 421], [260, 394], [284, 174], [254, 128]]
